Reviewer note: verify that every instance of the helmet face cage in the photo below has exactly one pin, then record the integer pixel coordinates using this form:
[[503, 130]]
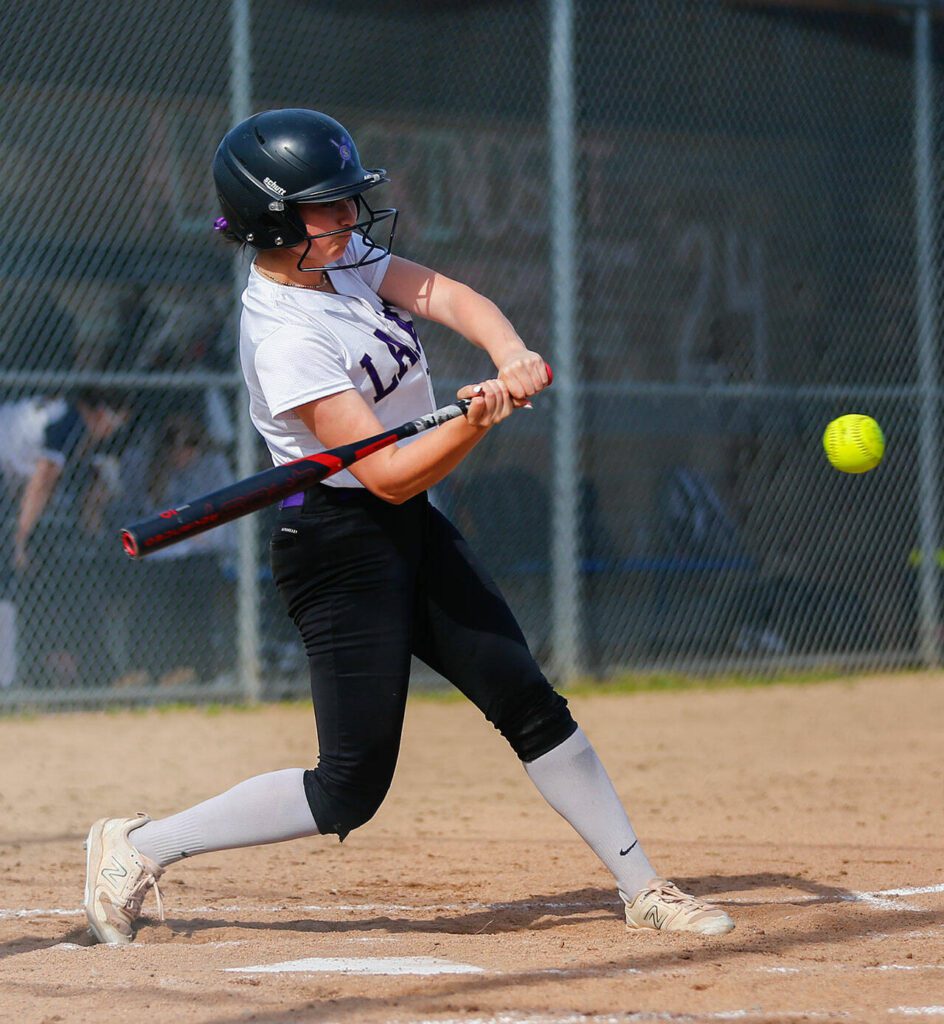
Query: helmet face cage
[[374, 251]]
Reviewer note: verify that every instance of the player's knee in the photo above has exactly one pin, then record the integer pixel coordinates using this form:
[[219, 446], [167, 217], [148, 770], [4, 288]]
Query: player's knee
[[341, 805], [534, 719]]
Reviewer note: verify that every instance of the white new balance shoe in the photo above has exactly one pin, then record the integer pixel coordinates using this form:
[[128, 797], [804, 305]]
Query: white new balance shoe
[[663, 906], [117, 879]]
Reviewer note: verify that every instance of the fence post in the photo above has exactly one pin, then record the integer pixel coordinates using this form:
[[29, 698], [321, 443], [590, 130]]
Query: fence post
[[565, 552], [247, 621], [927, 316]]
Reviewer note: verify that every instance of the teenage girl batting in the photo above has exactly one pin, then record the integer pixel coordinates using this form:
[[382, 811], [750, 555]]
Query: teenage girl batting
[[369, 571]]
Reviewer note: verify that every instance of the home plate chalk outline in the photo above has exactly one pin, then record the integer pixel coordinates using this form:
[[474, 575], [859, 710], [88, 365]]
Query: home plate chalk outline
[[362, 965]]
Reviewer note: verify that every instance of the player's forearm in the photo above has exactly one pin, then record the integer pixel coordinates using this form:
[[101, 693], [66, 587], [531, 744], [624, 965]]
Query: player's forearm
[[453, 304], [399, 473], [36, 496], [480, 321]]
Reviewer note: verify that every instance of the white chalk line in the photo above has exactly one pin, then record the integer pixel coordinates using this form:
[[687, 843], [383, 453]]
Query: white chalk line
[[341, 908], [40, 912], [881, 899], [68, 946], [830, 968], [904, 967], [919, 891], [918, 933], [645, 1017]]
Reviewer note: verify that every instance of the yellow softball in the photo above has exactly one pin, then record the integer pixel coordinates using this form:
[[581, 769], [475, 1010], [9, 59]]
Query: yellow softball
[[854, 443]]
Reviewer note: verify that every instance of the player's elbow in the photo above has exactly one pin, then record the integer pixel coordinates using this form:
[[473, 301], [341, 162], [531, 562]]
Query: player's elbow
[[383, 479], [393, 496], [389, 490]]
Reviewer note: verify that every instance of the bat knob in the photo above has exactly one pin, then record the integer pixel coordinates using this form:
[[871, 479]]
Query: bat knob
[[129, 544]]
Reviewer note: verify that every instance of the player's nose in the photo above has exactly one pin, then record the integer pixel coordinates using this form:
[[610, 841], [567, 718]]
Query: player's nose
[[347, 213]]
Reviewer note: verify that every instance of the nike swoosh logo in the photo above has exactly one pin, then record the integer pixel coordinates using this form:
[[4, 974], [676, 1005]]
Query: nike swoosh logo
[[628, 848]]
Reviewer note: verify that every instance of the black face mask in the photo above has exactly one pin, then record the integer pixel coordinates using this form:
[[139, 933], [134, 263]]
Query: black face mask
[[374, 251]]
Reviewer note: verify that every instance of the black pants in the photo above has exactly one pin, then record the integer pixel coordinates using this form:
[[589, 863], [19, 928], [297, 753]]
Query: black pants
[[368, 584]]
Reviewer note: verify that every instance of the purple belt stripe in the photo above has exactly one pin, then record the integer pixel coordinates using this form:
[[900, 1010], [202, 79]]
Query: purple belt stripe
[[293, 500]]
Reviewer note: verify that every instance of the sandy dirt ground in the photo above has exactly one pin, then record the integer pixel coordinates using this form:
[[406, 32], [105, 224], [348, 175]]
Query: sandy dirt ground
[[814, 814]]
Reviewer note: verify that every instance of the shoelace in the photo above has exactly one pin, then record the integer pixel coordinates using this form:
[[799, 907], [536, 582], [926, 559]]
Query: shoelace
[[136, 898], [670, 893]]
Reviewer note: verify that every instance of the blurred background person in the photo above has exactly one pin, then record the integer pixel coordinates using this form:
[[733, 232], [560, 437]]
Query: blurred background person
[[183, 587], [58, 475], [41, 435]]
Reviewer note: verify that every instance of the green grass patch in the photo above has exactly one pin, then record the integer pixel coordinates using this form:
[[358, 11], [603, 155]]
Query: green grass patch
[[664, 682], [671, 682], [654, 682]]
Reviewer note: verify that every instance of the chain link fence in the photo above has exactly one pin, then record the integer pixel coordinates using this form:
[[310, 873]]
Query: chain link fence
[[716, 219]]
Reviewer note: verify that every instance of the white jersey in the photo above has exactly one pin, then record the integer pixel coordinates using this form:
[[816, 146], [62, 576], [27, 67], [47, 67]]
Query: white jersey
[[298, 344], [38, 428]]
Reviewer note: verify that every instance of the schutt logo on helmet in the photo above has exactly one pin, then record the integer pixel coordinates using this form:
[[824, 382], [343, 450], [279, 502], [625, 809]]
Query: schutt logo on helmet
[[275, 186]]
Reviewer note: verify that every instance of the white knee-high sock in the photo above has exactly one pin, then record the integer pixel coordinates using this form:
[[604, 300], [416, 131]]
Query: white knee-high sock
[[268, 808], [574, 782]]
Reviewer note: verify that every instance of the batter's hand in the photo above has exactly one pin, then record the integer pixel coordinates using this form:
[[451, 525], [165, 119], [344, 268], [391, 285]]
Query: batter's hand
[[491, 402], [525, 375]]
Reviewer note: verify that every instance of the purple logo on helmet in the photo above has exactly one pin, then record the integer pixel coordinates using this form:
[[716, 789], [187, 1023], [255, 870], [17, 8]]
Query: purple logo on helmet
[[344, 151]]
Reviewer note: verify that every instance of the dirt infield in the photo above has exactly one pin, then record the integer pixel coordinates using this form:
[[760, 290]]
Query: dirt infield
[[815, 814]]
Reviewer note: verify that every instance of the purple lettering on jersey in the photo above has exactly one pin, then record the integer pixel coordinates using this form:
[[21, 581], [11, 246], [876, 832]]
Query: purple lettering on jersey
[[404, 355], [379, 390], [407, 325]]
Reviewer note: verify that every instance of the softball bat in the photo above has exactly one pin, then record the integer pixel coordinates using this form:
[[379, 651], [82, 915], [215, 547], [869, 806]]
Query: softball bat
[[271, 485]]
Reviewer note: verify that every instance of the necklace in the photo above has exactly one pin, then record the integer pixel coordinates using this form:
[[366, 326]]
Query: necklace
[[323, 286]]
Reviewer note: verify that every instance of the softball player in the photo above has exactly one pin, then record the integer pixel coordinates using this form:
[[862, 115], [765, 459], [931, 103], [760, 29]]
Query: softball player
[[369, 571]]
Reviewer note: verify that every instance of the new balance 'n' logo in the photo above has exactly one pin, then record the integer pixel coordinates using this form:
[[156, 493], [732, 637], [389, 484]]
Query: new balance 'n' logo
[[116, 873], [652, 916]]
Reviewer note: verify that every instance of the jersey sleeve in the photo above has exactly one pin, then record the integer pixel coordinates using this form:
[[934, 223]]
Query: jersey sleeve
[[295, 366], [373, 273]]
